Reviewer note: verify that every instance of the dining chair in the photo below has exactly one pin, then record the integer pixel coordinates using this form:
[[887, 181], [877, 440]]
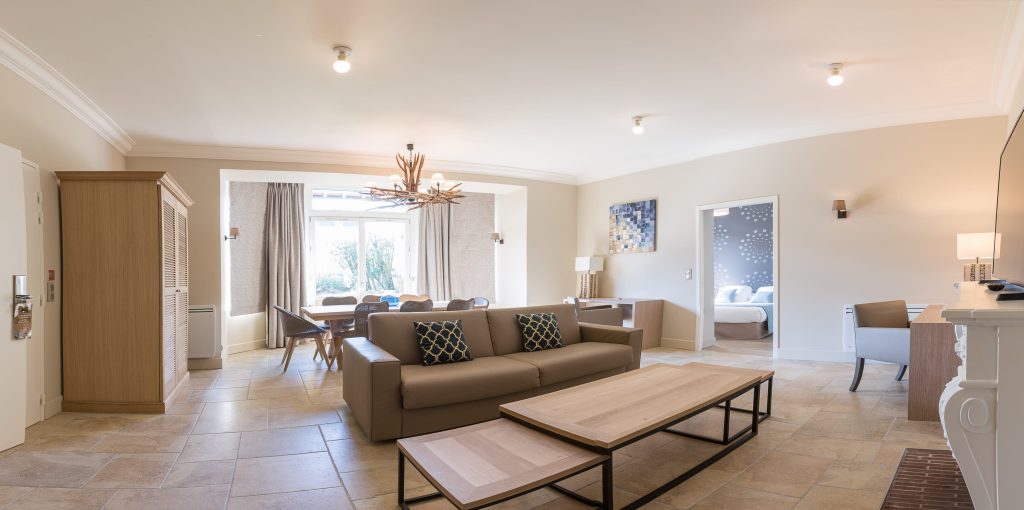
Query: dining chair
[[417, 306], [481, 302], [359, 328], [456, 305], [295, 328], [413, 297], [881, 331], [371, 298]]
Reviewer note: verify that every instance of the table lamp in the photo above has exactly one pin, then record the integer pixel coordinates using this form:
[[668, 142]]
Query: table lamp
[[977, 246], [587, 267]]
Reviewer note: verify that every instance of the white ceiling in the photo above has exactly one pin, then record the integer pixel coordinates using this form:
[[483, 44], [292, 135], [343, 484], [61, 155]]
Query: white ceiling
[[548, 87]]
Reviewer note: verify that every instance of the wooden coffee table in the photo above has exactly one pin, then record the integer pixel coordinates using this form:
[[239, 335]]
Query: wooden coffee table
[[487, 463], [610, 413]]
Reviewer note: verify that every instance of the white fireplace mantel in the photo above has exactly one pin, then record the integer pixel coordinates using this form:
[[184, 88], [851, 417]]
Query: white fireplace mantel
[[982, 408]]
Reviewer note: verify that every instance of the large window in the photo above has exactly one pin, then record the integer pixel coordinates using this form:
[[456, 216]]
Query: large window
[[360, 250]]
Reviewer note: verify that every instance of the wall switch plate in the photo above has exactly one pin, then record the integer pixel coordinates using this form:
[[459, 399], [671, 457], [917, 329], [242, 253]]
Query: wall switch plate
[[689, 274], [51, 292]]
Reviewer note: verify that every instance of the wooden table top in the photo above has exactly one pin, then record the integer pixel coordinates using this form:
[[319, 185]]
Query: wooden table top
[[347, 312], [609, 412], [483, 463]]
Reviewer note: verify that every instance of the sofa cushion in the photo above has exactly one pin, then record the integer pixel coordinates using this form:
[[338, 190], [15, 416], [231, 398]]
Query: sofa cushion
[[394, 332], [540, 331], [487, 377], [505, 329], [442, 342], [577, 360]]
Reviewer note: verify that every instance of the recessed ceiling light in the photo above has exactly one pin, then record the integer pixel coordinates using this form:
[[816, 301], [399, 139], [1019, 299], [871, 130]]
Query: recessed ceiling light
[[637, 128], [341, 64], [835, 79]]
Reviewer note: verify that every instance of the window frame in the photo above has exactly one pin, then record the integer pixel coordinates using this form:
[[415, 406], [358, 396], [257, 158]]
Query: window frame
[[361, 218]]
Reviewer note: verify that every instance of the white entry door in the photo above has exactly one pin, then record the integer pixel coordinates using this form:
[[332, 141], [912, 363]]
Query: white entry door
[[13, 261]]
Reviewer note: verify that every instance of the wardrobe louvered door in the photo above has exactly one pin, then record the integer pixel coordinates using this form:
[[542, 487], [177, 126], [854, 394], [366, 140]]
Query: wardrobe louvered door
[[169, 234], [181, 309]]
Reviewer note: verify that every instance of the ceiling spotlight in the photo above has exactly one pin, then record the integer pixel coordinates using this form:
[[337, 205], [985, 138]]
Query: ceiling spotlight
[[342, 65], [835, 79], [637, 128]]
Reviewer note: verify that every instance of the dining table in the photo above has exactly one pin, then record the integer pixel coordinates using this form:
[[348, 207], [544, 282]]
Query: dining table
[[347, 312]]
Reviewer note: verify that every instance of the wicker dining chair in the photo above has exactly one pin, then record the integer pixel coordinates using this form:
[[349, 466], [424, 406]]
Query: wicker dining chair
[[295, 328], [417, 306], [456, 305], [413, 297], [359, 328], [371, 298], [481, 302]]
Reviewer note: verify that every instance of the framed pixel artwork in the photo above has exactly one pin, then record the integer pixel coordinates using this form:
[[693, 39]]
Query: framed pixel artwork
[[631, 227]]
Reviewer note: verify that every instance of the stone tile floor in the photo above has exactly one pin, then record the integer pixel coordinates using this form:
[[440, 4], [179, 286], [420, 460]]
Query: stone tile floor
[[250, 436]]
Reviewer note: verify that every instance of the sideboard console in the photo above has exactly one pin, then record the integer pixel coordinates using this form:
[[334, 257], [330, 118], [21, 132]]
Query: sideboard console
[[982, 408]]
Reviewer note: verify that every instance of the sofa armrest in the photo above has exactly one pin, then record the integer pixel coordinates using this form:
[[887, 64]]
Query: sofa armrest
[[615, 335], [372, 387]]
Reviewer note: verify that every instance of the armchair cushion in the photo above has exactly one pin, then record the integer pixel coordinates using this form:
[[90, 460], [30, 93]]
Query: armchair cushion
[[883, 344]]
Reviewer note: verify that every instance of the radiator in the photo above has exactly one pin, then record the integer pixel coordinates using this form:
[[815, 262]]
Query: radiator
[[912, 310], [203, 340]]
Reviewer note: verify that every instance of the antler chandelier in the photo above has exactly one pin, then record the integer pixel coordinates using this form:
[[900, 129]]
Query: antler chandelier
[[405, 188]]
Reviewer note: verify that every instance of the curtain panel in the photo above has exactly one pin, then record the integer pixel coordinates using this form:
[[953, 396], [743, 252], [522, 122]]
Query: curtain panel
[[286, 264], [435, 263]]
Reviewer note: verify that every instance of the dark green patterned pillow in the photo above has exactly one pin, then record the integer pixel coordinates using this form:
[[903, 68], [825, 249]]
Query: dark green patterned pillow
[[540, 331], [441, 342]]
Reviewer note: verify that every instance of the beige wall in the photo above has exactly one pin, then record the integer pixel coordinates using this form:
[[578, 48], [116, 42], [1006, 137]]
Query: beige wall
[[53, 138], [550, 235], [910, 189]]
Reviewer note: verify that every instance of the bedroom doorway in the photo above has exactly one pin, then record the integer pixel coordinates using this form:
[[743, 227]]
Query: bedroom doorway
[[737, 276]]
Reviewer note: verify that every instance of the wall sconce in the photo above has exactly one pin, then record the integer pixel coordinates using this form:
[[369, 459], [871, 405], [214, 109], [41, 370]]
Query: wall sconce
[[232, 234], [839, 206], [496, 237]]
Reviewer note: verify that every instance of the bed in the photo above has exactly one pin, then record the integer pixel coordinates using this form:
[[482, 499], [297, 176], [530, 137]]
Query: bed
[[741, 314]]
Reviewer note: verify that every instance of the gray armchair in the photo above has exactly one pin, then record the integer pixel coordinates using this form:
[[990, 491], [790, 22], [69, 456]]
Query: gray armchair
[[882, 333]]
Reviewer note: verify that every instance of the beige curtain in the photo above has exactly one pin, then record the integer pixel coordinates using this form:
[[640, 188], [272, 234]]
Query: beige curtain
[[435, 271], [286, 265]]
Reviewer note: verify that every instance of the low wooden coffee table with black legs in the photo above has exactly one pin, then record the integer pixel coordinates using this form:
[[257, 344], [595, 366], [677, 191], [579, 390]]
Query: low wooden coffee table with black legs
[[611, 413], [487, 463], [543, 440]]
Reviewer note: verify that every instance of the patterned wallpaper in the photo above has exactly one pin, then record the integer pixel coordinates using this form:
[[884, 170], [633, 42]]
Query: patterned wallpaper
[[743, 247]]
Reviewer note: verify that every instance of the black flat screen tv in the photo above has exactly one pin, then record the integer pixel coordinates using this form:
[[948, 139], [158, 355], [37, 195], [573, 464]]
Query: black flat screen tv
[[1010, 208]]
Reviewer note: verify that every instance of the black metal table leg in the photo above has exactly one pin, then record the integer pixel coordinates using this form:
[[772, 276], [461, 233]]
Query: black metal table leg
[[725, 426], [607, 487]]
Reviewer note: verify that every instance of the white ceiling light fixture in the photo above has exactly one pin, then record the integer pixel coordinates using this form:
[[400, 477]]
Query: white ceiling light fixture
[[835, 78], [341, 64], [637, 128]]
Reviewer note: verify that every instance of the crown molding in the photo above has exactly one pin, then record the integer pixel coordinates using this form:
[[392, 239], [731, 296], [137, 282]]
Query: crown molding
[[335, 158], [25, 63], [1009, 60]]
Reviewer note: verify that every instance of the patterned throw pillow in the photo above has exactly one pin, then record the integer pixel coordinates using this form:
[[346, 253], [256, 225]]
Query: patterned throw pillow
[[540, 331], [441, 342]]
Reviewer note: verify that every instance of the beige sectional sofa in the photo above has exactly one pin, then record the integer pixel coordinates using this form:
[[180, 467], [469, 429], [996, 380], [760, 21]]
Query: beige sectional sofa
[[392, 395]]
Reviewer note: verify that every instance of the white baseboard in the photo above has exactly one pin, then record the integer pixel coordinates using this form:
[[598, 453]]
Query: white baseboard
[[246, 346], [815, 355], [52, 407], [678, 343]]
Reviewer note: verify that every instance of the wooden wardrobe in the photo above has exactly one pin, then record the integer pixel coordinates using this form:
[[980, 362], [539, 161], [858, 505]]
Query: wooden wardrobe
[[124, 238]]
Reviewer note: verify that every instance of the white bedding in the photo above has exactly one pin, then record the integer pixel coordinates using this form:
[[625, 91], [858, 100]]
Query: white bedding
[[738, 313]]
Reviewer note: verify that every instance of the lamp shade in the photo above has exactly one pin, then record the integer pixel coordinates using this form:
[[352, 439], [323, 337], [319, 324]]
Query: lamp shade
[[589, 264], [978, 245]]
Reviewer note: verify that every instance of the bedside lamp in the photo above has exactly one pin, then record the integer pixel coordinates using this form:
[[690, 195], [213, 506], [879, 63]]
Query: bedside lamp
[[976, 247], [587, 267]]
